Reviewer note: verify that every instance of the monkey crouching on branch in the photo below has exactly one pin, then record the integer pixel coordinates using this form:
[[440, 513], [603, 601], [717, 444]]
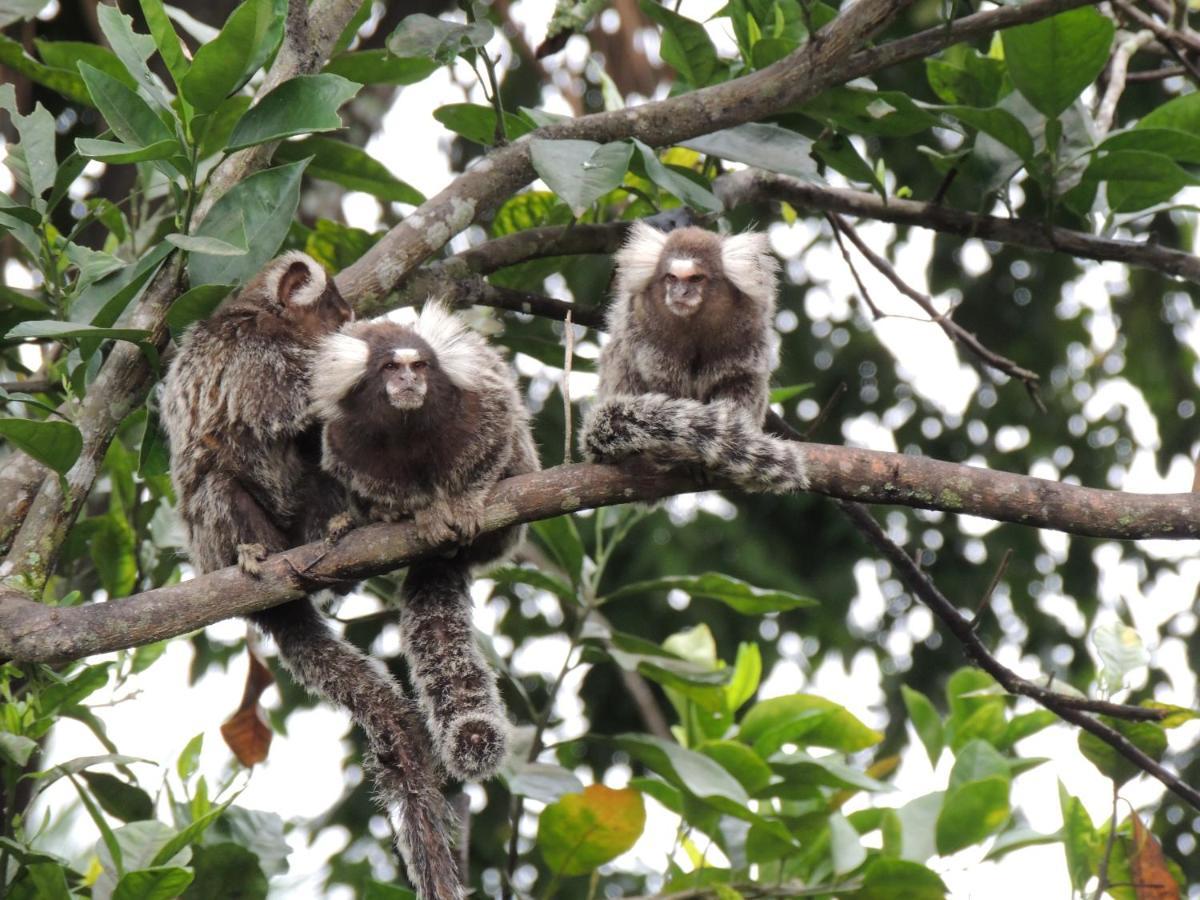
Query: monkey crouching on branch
[[684, 377], [245, 464], [421, 421]]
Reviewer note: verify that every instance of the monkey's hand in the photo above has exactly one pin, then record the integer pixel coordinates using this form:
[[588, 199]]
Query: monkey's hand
[[451, 519], [338, 527], [250, 557]]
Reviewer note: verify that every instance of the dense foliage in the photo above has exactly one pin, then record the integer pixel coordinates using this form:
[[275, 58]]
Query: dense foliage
[[139, 164]]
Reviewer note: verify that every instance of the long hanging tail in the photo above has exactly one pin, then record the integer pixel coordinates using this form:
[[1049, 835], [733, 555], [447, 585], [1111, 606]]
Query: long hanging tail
[[454, 683], [405, 778], [677, 431]]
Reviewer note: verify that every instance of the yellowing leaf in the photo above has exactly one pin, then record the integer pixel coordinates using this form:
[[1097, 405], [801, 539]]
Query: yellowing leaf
[[583, 831], [1148, 865]]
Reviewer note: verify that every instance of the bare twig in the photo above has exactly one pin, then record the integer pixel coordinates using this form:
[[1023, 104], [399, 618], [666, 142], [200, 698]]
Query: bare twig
[[1070, 708], [565, 386], [953, 330], [838, 224], [991, 588], [1178, 43], [1118, 74], [824, 411]]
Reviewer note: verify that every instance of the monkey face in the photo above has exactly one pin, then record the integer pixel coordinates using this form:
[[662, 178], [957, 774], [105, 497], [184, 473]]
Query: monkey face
[[685, 283], [405, 378]]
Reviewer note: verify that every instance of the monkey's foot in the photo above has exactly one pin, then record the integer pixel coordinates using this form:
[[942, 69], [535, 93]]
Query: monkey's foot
[[250, 557], [474, 745], [338, 527]]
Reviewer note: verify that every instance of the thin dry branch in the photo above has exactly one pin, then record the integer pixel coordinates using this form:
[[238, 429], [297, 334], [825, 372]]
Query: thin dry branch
[[32, 631], [756, 186], [1072, 709]]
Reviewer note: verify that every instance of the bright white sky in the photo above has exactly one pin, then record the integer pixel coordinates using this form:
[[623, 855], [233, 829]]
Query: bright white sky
[[165, 714]]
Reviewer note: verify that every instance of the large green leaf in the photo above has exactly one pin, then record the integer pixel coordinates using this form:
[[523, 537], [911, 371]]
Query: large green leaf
[[67, 55], [198, 303], [561, 538], [224, 64], [133, 49], [54, 444], [926, 722], [478, 123], [350, 167], [897, 879], [580, 832], [688, 770], [118, 797], [127, 114], [686, 46], [765, 146], [690, 192], [738, 595], [1149, 737], [1053, 60], [1137, 179], [62, 81], [422, 36], [381, 67], [33, 159], [580, 172], [972, 812], [262, 205], [837, 729], [115, 152], [50, 328], [170, 48], [304, 104]]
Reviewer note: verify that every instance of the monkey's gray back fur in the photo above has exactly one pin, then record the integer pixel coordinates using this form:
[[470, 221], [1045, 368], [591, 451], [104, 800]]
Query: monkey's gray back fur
[[693, 389]]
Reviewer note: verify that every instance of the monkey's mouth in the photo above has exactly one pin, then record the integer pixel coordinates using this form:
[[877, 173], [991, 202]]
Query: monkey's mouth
[[406, 398], [683, 306]]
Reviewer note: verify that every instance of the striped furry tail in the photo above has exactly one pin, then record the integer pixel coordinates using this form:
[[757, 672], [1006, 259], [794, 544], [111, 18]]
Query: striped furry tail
[[677, 431], [454, 683], [405, 778]]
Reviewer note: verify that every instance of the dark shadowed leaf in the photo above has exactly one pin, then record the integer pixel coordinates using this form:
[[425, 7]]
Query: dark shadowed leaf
[[560, 537], [196, 304], [349, 166], [118, 797], [54, 444], [419, 35], [304, 104], [157, 883], [766, 146]]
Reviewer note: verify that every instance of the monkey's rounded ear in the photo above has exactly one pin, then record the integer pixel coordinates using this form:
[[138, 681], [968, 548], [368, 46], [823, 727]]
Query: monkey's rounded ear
[[300, 279]]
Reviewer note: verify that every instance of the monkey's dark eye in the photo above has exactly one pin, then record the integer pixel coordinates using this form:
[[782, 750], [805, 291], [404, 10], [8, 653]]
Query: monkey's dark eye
[[695, 279], [390, 367], [419, 365], [671, 279]]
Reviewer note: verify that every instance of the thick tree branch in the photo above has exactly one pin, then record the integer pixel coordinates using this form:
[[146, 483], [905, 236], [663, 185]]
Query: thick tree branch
[[1071, 709], [31, 631], [755, 186]]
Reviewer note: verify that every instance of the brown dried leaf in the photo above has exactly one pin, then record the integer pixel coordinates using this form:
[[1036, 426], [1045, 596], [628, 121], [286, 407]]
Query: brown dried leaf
[[246, 732], [1151, 878]]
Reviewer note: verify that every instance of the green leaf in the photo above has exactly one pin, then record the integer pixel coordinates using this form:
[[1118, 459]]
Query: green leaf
[[304, 104], [543, 782], [119, 798], [54, 444], [170, 48], [1022, 726], [212, 130], [113, 548], [101, 303], [581, 172], [62, 81], [733, 592], [898, 879], [976, 761], [350, 167], [1137, 179], [527, 210], [510, 575], [784, 394], [765, 146], [262, 205], [971, 813], [688, 770], [422, 36], [127, 114], [1180, 146], [49, 879], [189, 759], [740, 761], [1053, 60], [837, 729], [560, 537], [845, 846], [157, 883], [115, 152], [67, 330], [133, 49], [16, 748], [686, 46], [198, 303], [478, 123], [224, 64], [965, 76], [996, 122], [1149, 737], [36, 149], [67, 55], [381, 67], [926, 722], [676, 183], [580, 832], [16, 10], [209, 245]]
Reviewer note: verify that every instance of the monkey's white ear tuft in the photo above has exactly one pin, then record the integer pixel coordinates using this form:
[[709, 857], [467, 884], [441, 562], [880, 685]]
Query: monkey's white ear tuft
[[749, 265], [340, 363], [637, 260], [460, 351], [295, 279]]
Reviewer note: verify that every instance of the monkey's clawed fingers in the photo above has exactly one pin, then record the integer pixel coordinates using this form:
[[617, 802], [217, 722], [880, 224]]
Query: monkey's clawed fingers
[[338, 527], [250, 557]]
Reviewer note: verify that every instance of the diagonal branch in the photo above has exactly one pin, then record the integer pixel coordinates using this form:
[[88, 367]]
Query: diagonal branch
[[1072, 709], [32, 631]]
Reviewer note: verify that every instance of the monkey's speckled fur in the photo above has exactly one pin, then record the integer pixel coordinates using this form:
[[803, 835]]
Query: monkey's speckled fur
[[244, 459], [685, 376], [436, 462]]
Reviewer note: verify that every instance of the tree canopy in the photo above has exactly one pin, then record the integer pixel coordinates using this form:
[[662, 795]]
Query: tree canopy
[[986, 337]]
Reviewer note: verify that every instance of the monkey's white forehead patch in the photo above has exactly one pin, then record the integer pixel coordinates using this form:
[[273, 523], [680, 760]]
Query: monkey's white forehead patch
[[684, 267], [406, 355]]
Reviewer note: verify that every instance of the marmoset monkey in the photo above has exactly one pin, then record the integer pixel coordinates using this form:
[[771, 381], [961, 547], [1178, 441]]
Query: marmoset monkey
[[421, 421], [684, 377], [245, 463]]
